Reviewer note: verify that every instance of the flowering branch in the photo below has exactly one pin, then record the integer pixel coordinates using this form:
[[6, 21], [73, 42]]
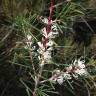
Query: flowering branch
[[75, 70], [48, 28], [45, 46]]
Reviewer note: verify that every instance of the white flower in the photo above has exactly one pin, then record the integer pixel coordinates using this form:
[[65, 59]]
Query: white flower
[[40, 51], [41, 48], [81, 72], [54, 27], [50, 43], [60, 79], [33, 47], [75, 62], [47, 53], [52, 34], [81, 64], [44, 32], [55, 33], [69, 68], [40, 45], [45, 20], [29, 43], [47, 56]]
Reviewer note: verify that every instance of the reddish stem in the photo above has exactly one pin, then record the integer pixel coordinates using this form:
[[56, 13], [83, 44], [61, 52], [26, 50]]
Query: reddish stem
[[50, 17], [48, 28]]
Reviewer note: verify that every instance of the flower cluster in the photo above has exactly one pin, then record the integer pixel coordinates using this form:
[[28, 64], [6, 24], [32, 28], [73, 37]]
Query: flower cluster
[[76, 69], [46, 45]]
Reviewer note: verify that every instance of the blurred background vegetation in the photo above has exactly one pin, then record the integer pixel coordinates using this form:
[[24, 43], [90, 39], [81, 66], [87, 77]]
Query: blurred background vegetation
[[77, 25]]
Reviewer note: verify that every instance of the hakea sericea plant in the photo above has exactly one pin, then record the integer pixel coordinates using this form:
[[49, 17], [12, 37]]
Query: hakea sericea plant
[[49, 32]]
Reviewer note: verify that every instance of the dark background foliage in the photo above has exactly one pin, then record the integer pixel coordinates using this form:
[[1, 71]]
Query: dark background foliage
[[80, 35]]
